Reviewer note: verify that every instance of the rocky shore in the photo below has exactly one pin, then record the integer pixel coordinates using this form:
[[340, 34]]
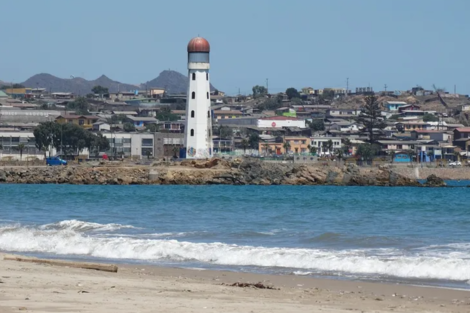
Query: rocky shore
[[211, 172]]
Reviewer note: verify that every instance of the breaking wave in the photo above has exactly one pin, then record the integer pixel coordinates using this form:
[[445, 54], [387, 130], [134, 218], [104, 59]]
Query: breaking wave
[[68, 238], [82, 226]]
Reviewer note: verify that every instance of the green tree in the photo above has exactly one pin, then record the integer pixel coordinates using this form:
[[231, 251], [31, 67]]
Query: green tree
[[245, 144], [253, 140], [292, 93], [153, 128], [329, 145], [312, 149], [328, 94], [286, 146], [20, 148], [266, 147], [259, 91], [371, 118], [316, 125], [80, 106], [225, 132], [367, 151], [164, 114], [99, 90], [430, 118], [128, 127]]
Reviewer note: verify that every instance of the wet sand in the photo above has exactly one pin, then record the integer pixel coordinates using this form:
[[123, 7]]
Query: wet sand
[[41, 288]]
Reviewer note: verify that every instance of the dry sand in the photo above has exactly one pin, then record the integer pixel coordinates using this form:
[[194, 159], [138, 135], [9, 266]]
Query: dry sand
[[31, 287]]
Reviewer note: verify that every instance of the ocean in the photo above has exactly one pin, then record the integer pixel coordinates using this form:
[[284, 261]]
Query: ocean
[[398, 235]]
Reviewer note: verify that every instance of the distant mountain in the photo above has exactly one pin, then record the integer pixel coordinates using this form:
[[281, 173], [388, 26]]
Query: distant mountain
[[77, 85], [171, 81]]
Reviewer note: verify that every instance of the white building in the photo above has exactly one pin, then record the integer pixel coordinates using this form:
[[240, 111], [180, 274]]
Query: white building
[[10, 141], [280, 121], [198, 131], [136, 145]]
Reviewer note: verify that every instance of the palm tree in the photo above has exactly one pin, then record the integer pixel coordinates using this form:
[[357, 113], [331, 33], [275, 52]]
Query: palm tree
[[20, 148], [245, 144], [347, 144], [329, 145], [175, 151], [286, 146], [266, 147]]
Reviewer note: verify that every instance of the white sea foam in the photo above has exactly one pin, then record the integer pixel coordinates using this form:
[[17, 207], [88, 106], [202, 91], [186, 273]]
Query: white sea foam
[[81, 226], [388, 262]]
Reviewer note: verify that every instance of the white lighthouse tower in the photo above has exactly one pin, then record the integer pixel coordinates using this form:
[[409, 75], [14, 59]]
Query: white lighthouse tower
[[198, 131]]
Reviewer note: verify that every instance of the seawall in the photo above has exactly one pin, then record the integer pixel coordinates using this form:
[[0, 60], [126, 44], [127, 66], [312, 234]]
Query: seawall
[[215, 171], [417, 172]]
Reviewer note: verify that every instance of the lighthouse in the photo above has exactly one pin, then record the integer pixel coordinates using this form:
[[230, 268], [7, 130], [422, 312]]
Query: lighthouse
[[198, 130]]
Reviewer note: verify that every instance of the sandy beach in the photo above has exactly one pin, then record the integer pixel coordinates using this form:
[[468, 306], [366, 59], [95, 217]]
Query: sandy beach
[[45, 288]]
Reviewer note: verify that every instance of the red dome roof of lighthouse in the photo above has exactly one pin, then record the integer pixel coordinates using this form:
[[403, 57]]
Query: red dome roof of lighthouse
[[199, 44]]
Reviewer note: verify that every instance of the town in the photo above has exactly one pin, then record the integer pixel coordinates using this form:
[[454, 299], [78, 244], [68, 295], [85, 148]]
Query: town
[[304, 125]]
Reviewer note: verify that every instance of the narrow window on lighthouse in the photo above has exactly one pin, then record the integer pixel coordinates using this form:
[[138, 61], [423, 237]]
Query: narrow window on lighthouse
[[194, 76], [208, 114], [192, 132], [207, 76], [207, 95], [193, 95], [192, 113]]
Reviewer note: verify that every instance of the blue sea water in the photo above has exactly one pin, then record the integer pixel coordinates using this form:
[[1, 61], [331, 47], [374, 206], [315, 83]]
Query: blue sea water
[[409, 235]]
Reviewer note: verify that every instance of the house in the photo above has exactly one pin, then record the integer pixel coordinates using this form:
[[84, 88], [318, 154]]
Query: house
[[308, 90], [344, 126], [280, 122], [412, 125], [84, 121], [437, 135], [141, 121], [294, 145], [428, 151], [139, 145], [297, 145], [408, 107], [397, 145], [321, 143], [133, 113], [101, 126], [343, 113], [171, 127], [462, 138], [168, 144], [225, 114], [393, 106], [11, 139]]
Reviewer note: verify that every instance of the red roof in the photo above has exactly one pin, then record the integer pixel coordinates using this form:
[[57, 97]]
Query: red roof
[[463, 129], [199, 44], [280, 118]]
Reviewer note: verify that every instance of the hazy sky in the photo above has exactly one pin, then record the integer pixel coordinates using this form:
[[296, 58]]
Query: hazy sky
[[294, 43]]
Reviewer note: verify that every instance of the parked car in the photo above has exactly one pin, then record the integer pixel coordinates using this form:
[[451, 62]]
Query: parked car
[[53, 161], [455, 163]]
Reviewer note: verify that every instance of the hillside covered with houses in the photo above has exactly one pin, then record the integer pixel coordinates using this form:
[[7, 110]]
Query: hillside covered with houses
[[300, 125]]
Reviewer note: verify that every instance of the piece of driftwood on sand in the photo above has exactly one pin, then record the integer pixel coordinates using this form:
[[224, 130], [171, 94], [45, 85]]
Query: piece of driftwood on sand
[[85, 265]]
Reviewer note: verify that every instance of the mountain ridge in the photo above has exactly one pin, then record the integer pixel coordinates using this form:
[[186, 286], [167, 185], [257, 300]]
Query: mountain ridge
[[171, 81]]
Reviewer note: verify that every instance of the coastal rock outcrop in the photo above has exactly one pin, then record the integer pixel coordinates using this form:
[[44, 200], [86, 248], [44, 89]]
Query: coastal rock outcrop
[[434, 181], [241, 171]]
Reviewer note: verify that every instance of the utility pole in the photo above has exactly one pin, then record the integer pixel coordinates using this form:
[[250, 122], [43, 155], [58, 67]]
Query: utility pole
[[455, 89], [267, 85], [347, 86], [385, 88]]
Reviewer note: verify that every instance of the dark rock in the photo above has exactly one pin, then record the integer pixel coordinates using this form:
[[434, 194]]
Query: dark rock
[[434, 181]]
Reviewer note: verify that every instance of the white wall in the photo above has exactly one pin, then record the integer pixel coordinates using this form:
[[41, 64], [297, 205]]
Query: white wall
[[281, 123]]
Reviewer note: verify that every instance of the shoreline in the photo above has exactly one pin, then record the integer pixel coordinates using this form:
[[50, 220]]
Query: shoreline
[[148, 288]]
